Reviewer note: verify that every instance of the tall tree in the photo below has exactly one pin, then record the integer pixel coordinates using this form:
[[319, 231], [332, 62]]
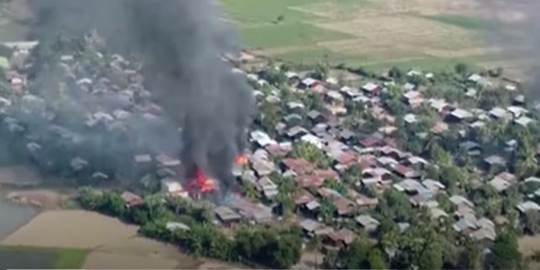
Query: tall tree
[[470, 256], [504, 253], [375, 259]]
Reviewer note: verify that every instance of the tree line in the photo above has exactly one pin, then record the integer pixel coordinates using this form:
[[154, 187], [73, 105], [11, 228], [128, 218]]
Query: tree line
[[250, 245]]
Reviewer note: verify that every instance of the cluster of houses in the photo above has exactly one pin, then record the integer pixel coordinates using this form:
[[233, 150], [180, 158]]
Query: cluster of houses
[[99, 120], [381, 163], [109, 109]]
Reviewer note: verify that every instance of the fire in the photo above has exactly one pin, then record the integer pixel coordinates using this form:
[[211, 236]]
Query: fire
[[240, 159], [201, 184]]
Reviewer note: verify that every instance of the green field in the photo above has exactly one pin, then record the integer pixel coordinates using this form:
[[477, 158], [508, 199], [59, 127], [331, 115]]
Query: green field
[[461, 21], [44, 258], [305, 31], [276, 23], [287, 34], [289, 30]]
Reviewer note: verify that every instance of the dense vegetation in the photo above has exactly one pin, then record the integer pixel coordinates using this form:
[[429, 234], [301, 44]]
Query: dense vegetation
[[427, 244], [251, 245]]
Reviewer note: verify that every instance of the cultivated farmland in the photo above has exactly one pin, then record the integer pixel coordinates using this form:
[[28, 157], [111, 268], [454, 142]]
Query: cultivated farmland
[[366, 32]]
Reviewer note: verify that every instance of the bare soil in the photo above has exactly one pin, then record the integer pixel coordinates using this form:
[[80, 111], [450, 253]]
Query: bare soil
[[70, 229], [112, 244]]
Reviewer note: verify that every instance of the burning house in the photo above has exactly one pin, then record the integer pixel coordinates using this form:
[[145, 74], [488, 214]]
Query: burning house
[[202, 184], [85, 103]]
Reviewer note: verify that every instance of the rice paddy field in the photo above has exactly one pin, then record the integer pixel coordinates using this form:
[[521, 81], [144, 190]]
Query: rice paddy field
[[74, 239], [368, 33], [374, 34]]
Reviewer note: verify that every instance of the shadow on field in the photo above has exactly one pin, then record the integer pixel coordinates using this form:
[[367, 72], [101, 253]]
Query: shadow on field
[[40, 258], [18, 259]]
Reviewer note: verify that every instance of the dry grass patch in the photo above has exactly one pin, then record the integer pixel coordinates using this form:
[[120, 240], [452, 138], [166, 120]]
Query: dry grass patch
[[335, 11], [380, 50], [397, 36], [461, 53], [433, 7], [70, 229]]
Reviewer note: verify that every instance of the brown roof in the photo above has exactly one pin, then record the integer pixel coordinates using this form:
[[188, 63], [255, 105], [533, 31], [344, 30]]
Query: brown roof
[[311, 180], [326, 174], [344, 206], [366, 201], [302, 198], [507, 177], [367, 161], [345, 235], [131, 199], [370, 142], [298, 165], [328, 193], [402, 170], [277, 150], [439, 128], [346, 158], [390, 142]]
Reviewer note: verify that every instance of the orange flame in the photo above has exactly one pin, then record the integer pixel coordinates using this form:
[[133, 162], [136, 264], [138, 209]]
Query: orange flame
[[201, 183], [240, 159]]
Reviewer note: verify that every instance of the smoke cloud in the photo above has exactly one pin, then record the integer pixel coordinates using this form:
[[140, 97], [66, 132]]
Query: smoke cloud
[[181, 44]]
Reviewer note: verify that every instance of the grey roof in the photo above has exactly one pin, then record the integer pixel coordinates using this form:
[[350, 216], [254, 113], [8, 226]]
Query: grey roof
[[458, 199], [484, 234], [460, 113], [463, 224], [495, 160], [438, 213], [499, 112], [309, 225], [367, 220], [312, 205], [528, 205], [226, 214]]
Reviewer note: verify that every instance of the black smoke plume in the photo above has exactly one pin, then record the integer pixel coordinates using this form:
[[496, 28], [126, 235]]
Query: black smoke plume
[[181, 43]]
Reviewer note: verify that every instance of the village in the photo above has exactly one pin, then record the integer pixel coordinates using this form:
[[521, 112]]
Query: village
[[343, 159]]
